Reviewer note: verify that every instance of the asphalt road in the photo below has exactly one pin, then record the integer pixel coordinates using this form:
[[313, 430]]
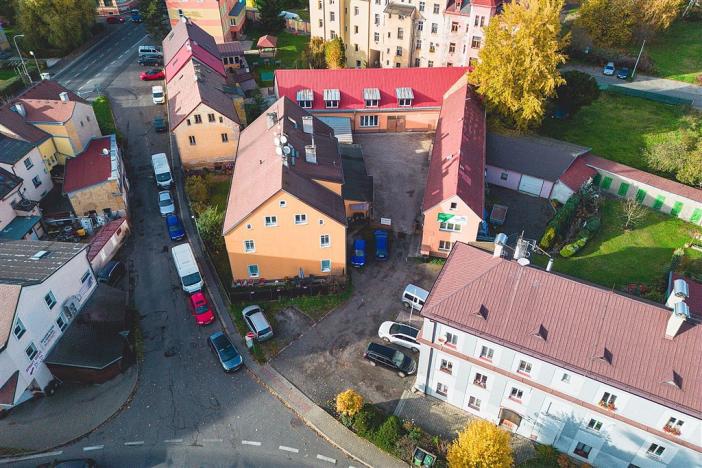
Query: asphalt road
[[186, 411]]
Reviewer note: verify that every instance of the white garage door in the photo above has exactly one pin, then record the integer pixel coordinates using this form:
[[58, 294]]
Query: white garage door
[[531, 185]]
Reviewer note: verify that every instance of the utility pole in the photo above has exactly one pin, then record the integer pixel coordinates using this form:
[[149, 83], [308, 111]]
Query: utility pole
[[633, 73], [24, 66], [31, 52]]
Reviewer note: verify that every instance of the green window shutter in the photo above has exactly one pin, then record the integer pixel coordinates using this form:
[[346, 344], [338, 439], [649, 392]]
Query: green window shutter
[[623, 189], [696, 216], [640, 195], [659, 202], [607, 183], [597, 179], [677, 208]]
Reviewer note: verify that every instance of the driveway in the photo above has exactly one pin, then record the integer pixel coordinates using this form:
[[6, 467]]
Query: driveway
[[328, 358], [398, 163]]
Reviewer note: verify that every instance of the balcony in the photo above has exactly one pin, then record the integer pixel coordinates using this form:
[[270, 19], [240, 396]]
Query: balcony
[[24, 207], [670, 429], [607, 405]]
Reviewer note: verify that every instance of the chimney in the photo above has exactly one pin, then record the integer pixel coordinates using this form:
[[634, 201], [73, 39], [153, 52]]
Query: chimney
[[681, 312], [311, 154], [307, 124], [19, 108], [500, 242], [63, 95], [521, 250], [183, 18], [549, 265], [271, 119], [680, 292]]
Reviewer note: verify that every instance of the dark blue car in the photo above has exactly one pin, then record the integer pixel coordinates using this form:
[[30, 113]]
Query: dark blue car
[[175, 227], [381, 244], [358, 259], [226, 353]]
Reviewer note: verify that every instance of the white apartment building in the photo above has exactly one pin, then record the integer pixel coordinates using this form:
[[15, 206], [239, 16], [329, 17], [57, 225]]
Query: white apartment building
[[609, 379], [418, 33], [43, 286]]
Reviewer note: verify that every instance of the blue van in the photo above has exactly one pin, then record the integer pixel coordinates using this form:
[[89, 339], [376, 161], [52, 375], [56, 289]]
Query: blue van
[[381, 244]]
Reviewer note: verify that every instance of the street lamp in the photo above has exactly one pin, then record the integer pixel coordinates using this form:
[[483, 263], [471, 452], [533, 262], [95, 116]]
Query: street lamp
[[24, 66], [31, 52]]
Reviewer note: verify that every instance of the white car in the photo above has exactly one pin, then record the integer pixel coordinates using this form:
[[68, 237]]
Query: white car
[[399, 334], [608, 69], [257, 322], [158, 95], [166, 203]]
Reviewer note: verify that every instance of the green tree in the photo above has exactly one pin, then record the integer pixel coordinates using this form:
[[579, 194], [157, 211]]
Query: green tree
[[271, 21], [209, 226], [8, 10], [679, 157], [480, 445], [155, 18], [335, 53], [59, 24], [580, 89], [518, 67], [314, 53], [660, 14]]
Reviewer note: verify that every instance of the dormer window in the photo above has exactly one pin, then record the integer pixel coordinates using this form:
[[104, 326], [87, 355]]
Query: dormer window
[[371, 97], [305, 97], [405, 96], [332, 98]]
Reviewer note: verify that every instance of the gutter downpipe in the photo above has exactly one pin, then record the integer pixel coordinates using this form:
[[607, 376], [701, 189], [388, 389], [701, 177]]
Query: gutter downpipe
[[431, 356]]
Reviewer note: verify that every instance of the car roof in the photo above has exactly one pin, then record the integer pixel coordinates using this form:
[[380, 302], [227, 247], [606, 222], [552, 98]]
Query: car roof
[[380, 234], [404, 329], [172, 219], [380, 349], [197, 295], [359, 243], [417, 291], [164, 193]]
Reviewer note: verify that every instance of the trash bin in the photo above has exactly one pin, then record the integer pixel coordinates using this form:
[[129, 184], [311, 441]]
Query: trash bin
[[250, 339]]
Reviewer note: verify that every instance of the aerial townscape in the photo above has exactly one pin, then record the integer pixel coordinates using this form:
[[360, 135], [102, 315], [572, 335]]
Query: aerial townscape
[[382, 233]]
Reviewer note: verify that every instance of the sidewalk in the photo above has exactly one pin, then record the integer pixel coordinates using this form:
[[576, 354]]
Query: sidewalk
[[651, 84], [314, 416], [73, 412]]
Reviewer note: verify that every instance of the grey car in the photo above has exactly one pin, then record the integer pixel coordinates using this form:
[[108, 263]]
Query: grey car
[[257, 322], [165, 203]]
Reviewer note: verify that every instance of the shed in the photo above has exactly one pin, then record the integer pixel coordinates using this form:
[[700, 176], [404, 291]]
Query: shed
[[108, 240], [267, 45]]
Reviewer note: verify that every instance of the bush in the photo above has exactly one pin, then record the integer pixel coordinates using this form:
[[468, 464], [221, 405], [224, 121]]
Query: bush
[[592, 225], [580, 89], [564, 216], [349, 403], [548, 238], [367, 420], [547, 455], [571, 249], [388, 434]]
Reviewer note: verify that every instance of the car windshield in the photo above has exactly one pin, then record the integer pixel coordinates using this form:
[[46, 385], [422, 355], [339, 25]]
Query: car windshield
[[166, 201], [158, 94], [163, 177], [398, 358], [397, 329], [201, 309], [228, 353], [359, 253], [265, 331], [192, 278]]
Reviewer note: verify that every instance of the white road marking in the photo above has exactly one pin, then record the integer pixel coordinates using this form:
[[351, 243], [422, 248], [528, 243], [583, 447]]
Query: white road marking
[[173, 441], [135, 442], [212, 440], [7, 461], [93, 447], [326, 459], [288, 449], [251, 442], [113, 62]]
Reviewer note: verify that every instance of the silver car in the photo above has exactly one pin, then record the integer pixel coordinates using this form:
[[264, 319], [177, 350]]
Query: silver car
[[257, 322], [166, 203]]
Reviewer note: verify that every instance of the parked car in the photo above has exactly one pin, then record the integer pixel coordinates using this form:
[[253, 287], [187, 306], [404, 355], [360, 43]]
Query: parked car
[[414, 297], [160, 124], [153, 74], [158, 95], [608, 69], [111, 273], [135, 16], [399, 334], [257, 322], [73, 463], [114, 19], [150, 61], [381, 244], [201, 309], [391, 358], [166, 203], [175, 227], [358, 259], [623, 73], [227, 354]]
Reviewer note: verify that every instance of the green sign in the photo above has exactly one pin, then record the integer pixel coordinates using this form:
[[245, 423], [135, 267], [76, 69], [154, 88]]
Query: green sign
[[451, 218]]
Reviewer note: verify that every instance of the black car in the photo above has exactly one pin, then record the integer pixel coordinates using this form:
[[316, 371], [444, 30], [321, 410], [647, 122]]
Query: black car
[[150, 61], [111, 273], [392, 358]]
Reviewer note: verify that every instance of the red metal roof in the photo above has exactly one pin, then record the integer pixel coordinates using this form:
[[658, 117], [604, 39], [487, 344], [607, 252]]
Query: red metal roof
[[103, 236], [267, 41], [428, 85], [577, 174], [457, 165], [88, 168], [580, 320]]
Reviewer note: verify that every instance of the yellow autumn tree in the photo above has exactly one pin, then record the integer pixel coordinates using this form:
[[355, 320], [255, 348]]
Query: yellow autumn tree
[[349, 403], [518, 66], [480, 445], [660, 14]]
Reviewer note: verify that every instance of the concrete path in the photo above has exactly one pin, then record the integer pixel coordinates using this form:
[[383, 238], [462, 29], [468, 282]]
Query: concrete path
[[651, 84]]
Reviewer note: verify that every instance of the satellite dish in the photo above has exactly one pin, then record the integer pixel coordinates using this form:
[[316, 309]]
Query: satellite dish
[[286, 150], [276, 141], [278, 150], [105, 151], [283, 139]]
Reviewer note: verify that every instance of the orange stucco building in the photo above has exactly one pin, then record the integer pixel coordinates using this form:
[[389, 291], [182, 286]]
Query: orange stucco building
[[222, 19]]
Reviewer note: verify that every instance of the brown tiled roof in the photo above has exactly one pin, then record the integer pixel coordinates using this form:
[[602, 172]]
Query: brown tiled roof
[[457, 165], [231, 48], [267, 41], [580, 321], [185, 93], [91, 167], [575, 176], [180, 33], [9, 295], [16, 125], [647, 178], [49, 90], [259, 172]]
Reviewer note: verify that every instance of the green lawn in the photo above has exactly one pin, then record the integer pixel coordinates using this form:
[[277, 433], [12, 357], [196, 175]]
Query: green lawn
[[290, 47], [677, 53], [219, 190], [619, 127], [615, 258], [103, 114], [7, 74]]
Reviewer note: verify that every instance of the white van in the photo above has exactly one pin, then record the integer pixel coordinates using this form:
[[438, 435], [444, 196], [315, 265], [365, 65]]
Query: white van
[[149, 50], [162, 170], [414, 296], [158, 95], [189, 274]]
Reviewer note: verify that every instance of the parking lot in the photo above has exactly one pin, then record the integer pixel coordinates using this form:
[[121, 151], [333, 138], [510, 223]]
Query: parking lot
[[328, 358], [398, 163]]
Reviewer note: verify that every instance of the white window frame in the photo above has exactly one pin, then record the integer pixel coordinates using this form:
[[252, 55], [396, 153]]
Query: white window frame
[[594, 425], [475, 400], [480, 380], [369, 121], [282, 203], [258, 272], [270, 221], [22, 329], [406, 102], [246, 246], [446, 366], [61, 317], [655, 451], [28, 164], [33, 353], [326, 244], [321, 266], [489, 353], [52, 302], [443, 247], [449, 227], [516, 394], [451, 338], [525, 367], [442, 389], [300, 218]]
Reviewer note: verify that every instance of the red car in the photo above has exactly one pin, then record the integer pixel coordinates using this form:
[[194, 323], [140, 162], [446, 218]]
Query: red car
[[151, 75], [201, 309], [115, 20]]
